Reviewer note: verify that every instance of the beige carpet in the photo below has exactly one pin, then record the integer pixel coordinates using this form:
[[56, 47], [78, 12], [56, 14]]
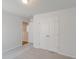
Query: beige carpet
[[33, 53]]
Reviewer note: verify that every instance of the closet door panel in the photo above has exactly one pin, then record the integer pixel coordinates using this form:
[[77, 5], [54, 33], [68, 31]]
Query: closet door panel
[[48, 33]]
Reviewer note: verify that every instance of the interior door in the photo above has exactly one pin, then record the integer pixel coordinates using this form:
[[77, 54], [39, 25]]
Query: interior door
[[48, 34]]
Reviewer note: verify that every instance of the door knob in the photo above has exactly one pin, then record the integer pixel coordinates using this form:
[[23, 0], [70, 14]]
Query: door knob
[[47, 35]]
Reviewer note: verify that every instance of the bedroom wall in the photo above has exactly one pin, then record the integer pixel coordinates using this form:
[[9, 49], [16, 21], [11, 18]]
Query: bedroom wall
[[66, 28], [11, 31], [30, 32], [67, 32]]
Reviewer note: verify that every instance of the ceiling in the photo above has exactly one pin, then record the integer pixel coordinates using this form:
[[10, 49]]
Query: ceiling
[[35, 6]]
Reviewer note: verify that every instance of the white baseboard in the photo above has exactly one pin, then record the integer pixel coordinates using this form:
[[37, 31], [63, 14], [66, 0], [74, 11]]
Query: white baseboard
[[66, 54], [8, 50]]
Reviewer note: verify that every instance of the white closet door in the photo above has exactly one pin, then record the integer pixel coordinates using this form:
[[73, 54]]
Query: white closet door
[[36, 32], [48, 33], [44, 33], [53, 42]]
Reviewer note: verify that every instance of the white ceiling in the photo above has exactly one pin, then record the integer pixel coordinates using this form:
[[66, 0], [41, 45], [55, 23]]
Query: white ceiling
[[35, 6]]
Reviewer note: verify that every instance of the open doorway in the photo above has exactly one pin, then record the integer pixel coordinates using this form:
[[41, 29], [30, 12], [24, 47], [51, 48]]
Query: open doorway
[[25, 39]]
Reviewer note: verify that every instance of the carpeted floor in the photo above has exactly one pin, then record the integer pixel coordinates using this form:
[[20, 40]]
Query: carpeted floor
[[33, 53], [28, 52]]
